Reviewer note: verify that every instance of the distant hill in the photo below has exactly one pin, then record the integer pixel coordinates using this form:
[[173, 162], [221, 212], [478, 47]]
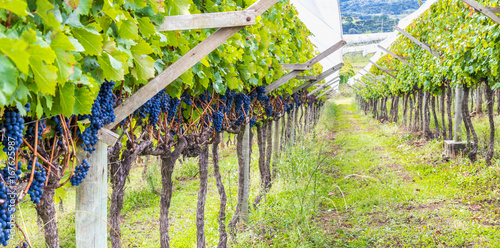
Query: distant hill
[[374, 16], [358, 8]]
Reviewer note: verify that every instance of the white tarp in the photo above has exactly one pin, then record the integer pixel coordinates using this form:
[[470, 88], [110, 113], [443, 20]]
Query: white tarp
[[403, 23], [322, 18]]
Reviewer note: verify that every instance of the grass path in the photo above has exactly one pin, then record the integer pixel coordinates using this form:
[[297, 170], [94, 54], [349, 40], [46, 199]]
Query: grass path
[[394, 190]]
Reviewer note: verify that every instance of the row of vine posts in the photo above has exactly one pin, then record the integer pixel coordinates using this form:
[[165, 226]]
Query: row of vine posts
[[91, 206], [419, 106]]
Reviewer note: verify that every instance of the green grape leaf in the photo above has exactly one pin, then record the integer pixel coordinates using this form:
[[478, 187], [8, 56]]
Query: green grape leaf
[[66, 97], [144, 65], [18, 7], [84, 7], [39, 109], [178, 7], [219, 86], [83, 102], [147, 28], [45, 75], [157, 5], [44, 53], [91, 41], [112, 69], [16, 51], [128, 30], [62, 42], [232, 83], [9, 75], [48, 17], [65, 63]]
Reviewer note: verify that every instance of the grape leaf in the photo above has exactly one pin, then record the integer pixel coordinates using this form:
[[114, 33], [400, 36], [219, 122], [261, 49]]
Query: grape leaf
[[65, 63], [111, 68], [146, 27], [16, 51], [61, 41], [83, 7], [48, 17], [91, 41], [128, 30], [84, 101], [9, 75], [18, 7], [66, 96], [144, 67], [178, 7], [44, 53], [45, 75]]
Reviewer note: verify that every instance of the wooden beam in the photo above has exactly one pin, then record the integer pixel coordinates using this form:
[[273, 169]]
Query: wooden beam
[[320, 78], [182, 65], [276, 84], [107, 136], [374, 76], [396, 56], [208, 20], [328, 91], [419, 43], [309, 64], [495, 10], [302, 67], [484, 10], [326, 53], [324, 86], [384, 70], [307, 77]]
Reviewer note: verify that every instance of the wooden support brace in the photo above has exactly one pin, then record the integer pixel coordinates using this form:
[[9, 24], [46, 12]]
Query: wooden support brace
[[300, 67], [396, 56], [182, 65], [373, 75], [384, 70], [307, 77], [309, 64], [107, 136], [208, 20], [323, 86], [320, 78], [484, 10], [282, 81], [495, 10], [328, 91], [419, 43]]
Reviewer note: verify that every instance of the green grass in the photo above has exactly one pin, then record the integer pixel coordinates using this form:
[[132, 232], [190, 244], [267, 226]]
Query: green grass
[[351, 182]]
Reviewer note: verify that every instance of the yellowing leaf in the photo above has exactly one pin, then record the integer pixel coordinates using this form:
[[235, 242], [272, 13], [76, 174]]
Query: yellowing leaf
[[128, 30], [90, 40], [18, 7], [16, 51], [45, 75]]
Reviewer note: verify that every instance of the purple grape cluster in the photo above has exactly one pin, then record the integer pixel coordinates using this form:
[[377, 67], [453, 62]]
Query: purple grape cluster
[[35, 191], [13, 124], [218, 117], [6, 213], [102, 114], [80, 173]]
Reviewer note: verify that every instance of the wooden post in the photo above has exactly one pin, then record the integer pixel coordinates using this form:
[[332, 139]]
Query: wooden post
[[91, 201], [416, 41], [459, 96], [246, 174]]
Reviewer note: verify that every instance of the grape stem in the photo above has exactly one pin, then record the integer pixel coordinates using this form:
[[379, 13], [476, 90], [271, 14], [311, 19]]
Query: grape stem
[[24, 234], [33, 167]]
